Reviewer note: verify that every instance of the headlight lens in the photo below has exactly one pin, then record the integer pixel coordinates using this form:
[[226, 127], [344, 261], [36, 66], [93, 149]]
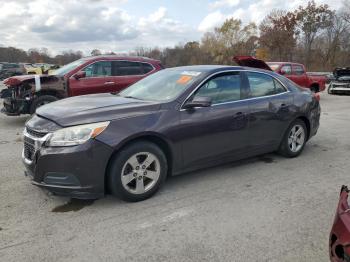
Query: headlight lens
[[76, 135]]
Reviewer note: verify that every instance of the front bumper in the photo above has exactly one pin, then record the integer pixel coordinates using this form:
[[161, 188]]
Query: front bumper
[[13, 106], [77, 171], [339, 87], [339, 241]]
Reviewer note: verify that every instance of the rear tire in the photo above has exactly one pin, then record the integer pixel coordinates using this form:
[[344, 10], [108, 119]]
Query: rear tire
[[40, 101], [137, 171], [294, 139]]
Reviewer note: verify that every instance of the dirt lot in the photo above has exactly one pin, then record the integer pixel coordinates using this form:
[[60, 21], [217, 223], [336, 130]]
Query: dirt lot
[[266, 208]]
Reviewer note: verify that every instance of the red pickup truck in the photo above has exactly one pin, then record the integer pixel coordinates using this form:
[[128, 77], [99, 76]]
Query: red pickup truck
[[89, 75], [294, 71]]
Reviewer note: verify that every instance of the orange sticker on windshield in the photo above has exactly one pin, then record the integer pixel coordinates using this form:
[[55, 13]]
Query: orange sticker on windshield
[[184, 80]]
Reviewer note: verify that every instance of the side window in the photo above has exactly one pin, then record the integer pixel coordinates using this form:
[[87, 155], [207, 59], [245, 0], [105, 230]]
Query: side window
[[127, 68], [263, 85], [298, 69], [146, 68], [279, 88], [102, 68], [224, 88], [287, 69]]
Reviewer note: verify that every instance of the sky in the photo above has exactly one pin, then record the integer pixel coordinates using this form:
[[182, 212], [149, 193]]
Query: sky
[[123, 25]]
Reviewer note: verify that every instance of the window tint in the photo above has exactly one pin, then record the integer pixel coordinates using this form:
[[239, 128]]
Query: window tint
[[126, 68], [146, 68], [224, 88], [102, 68], [298, 69], [263, 85], [287, 69]]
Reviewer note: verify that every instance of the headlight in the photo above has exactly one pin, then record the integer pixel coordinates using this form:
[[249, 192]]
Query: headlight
[[76, 135]]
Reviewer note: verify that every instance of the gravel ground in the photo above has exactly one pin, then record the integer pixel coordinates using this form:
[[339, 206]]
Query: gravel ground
[[266, 208]]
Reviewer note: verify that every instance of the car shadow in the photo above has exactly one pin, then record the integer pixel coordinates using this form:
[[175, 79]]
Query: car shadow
[[169, 191]]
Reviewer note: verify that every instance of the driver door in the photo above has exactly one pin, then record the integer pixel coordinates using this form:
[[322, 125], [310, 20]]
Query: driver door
[[217, 132], [98, 79]]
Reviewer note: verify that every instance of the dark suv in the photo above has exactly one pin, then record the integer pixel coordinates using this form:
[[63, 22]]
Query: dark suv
[[99, 74], [174, 121]]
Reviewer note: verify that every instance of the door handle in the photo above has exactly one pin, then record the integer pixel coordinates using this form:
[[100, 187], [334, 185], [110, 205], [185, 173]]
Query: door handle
[[109, 83]]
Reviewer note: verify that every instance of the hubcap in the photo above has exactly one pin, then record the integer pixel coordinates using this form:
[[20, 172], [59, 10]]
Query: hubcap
[[140, 172], [296, 138]]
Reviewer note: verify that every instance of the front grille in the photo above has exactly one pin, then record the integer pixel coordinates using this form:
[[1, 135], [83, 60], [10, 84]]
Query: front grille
[[29, 148], [35, 133]]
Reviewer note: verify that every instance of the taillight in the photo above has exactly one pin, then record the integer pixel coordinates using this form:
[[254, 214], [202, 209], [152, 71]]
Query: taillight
[[316, 96]]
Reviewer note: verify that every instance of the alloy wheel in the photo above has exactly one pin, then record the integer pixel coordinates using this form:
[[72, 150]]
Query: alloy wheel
[[140, 172], [296, 138]]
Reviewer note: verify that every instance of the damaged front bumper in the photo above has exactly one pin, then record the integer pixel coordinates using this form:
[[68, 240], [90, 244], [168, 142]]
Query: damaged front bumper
[[12, 105], [339, 241]]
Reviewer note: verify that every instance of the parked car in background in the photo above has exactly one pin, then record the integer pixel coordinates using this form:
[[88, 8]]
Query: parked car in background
[[341, 81], [294, 71], [39, 69], [31, 69], [339, 240], [99, 74], [174, 121], [11, 69]]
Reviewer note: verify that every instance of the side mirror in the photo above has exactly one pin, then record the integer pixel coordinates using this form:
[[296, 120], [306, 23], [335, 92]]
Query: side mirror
[[282, 72], [199, 101], [80, 74]]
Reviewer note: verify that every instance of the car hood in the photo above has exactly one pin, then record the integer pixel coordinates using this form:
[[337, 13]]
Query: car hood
[[250, 61], [17, 80], [341, 72], [94, 108]]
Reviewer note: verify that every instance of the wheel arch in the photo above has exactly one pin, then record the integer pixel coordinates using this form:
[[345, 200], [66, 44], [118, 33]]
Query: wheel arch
[[315, 86], [49, 92], [155, 138], [307, 124]]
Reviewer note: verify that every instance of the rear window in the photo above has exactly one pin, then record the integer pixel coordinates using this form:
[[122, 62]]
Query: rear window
[[298, 69], [127, 68], [146, 68]]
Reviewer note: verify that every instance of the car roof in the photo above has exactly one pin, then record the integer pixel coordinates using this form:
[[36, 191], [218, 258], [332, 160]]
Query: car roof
[[282, 63], [218, 68], [128, 58]]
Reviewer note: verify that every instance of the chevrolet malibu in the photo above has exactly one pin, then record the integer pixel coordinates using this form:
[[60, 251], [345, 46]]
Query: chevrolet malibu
[[174, 121]]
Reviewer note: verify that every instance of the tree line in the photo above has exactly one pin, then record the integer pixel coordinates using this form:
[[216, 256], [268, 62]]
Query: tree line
[[312, 34]]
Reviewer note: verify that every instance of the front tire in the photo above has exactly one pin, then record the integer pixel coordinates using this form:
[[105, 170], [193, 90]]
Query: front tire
[[40, 101], [329, 90], [294, 140], [137, 171]]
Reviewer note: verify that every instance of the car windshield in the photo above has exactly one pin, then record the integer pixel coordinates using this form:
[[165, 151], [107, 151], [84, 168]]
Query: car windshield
[[164, 85], [69, 67], [274, 67]]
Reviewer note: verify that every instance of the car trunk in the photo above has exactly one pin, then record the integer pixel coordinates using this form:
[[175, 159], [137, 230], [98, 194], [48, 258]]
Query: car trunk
[[250, 61]]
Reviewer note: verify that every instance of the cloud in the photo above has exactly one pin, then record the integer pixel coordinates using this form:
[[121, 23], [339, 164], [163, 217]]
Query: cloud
[[212, 20], [87, 24], [224, 3]]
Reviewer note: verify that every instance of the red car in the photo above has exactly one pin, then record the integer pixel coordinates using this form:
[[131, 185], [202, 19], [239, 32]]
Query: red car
[[99, 74], [339, 241], [294, 71]]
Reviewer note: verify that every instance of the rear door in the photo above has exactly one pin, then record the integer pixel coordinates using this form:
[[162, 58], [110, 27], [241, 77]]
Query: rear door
[[217, 132], [127, 73], [98, 79], [270, 109]]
